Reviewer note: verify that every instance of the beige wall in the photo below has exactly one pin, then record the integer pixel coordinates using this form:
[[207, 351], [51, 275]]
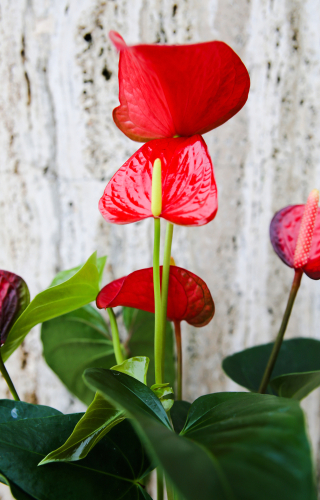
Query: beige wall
[[59, 147]]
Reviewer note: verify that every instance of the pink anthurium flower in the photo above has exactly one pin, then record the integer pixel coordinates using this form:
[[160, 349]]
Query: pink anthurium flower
[[14, 298], [189, 191], [177, 90], [295, 236], [189, 298]]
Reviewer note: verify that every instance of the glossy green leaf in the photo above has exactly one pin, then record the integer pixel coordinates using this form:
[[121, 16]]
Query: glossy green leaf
[[116, 386], [74, 342], [296, 385], [63, 276], [140, 327], [77, 291], [112, 471], [98, 420], [234, 445], [296, 356]]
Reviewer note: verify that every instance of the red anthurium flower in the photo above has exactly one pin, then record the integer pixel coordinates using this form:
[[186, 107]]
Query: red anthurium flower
[[178, 90], [189, 298], [14, 298], [189, 191], [295, 236]]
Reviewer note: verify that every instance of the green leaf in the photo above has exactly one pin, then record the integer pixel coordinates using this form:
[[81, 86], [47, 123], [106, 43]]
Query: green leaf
[[98, 420], [296, 356], [74, 342], [77, 291], [136, 367], [140, 327], [112, 471], [178, 414], [234, 445], [121, 386], [63, 276], [296, 385]]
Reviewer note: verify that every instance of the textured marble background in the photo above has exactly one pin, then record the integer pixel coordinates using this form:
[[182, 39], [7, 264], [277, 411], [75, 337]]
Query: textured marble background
[[59, 147]]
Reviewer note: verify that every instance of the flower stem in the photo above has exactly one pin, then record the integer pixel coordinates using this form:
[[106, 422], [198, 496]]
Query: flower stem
[[159, 484], [177, 331], [277, 345], [115, 337], [7, 378], [158, 353], [165, 284]]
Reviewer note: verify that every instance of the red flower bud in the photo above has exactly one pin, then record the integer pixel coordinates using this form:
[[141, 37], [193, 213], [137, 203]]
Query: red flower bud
[[14, 298]]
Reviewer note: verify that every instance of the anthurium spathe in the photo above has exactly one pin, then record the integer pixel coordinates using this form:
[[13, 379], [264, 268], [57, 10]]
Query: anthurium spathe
[[189, 298], [295, 236], [14, 298], [183, 90], [189, 190]]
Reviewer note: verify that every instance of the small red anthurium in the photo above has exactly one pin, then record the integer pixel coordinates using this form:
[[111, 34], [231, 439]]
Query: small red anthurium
[[188, 188], [189, 298], [14, 298], [177, 90], [295, 236]]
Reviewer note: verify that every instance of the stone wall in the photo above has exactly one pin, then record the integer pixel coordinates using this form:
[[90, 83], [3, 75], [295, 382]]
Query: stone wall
[[59, 147]]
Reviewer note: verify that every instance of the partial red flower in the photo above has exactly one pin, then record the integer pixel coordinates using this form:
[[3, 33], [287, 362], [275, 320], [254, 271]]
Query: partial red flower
[[189, 297], [178, 90], [14, 298], [295, 236], [189, 191]]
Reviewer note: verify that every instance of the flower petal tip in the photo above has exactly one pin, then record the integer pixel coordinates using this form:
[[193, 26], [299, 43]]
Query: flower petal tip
[[117, 40]]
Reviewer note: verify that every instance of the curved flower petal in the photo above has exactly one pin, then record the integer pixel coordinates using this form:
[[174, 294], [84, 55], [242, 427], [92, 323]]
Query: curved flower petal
[[189, 191], [284, 232], [177, 90], [14, 298], [189, 297]]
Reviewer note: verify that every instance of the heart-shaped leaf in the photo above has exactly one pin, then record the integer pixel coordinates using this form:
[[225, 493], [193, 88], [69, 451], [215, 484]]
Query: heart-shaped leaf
[[189, 298], [77, 291], [296, 358], [98, 420], [14, 298], [112, 471], [74, 342], [140, 328], [233, 445]]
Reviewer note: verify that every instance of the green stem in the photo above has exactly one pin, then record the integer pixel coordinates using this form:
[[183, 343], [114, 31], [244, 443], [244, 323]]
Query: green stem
[[7, 378], [165, 284], [159, 484], [177, 331], [277, 345], [115, 337], [170, 491], [158, 354]]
